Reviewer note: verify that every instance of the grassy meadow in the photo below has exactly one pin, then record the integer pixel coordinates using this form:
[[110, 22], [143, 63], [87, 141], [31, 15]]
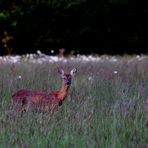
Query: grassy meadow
[[107, 105]]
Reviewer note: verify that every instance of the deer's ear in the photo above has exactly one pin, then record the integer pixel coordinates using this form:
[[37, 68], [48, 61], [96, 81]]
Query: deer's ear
[[73, 71], [61, 72]]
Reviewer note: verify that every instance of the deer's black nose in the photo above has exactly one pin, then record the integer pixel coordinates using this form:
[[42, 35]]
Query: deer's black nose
[[69, 82]]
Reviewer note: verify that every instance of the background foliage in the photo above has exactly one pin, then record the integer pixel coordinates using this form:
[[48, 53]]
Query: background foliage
[[98, 26]]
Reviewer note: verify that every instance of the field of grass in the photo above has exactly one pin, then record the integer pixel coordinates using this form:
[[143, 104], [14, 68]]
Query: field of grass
[[107, 105]]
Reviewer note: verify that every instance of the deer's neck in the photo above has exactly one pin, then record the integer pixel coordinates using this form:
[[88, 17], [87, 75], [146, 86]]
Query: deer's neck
[[63, 91]]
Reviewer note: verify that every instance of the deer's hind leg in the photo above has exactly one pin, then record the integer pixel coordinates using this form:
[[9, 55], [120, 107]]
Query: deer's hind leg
[[21, 105]]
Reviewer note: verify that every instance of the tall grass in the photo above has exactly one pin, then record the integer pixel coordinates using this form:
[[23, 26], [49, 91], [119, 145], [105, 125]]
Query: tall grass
[[104, 108]]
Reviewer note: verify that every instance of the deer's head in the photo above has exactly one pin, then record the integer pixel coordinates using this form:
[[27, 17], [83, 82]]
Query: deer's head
[[67, 77]]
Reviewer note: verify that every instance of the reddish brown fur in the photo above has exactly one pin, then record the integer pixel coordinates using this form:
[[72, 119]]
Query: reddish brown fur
[[37, 100], [41, 101]]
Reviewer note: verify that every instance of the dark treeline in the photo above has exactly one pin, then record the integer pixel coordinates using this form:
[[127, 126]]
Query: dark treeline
[[85, 26]]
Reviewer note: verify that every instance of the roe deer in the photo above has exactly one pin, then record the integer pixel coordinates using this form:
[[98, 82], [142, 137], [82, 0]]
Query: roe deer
[[43, 101]]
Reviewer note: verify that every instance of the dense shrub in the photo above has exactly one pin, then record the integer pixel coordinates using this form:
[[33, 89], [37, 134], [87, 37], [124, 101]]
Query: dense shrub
[[111, 26]]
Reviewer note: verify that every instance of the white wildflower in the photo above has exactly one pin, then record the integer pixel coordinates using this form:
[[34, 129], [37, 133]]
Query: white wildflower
[[138, 56], [115, 72], [52, 51], [89, 78], [39, 52], [19, 76]]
